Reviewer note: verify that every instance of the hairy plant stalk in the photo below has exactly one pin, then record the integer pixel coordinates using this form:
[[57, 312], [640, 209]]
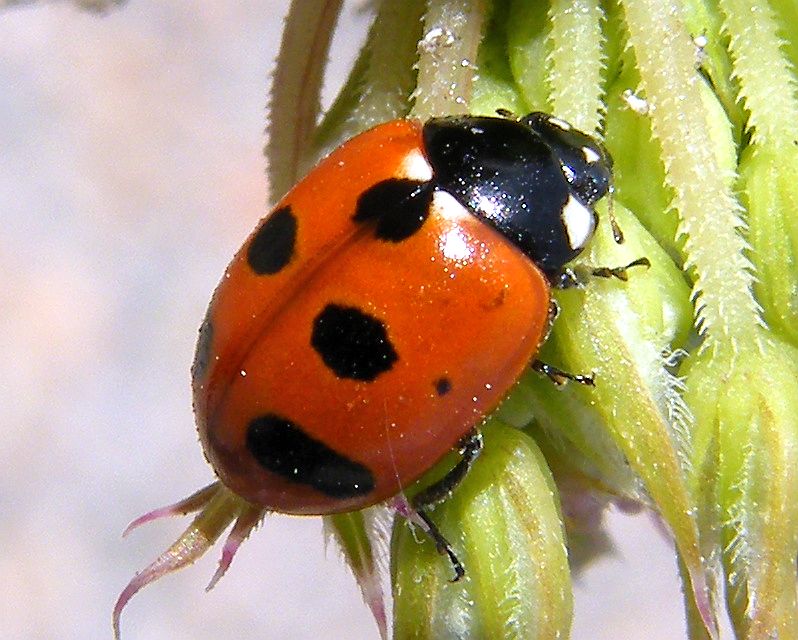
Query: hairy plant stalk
[[447, 56], [577, 62], [709, 214], [767, 87], [296, 90]]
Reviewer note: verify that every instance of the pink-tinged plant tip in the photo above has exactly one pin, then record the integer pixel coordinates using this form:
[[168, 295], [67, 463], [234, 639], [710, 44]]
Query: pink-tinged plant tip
[[184, 552], [243, 526], [218, 508], [362, 536], [193, 503]]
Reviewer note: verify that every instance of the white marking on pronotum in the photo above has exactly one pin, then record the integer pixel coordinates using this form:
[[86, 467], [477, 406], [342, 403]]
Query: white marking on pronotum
[[579, 222], [562, 124], [590, 155], [416, 167]]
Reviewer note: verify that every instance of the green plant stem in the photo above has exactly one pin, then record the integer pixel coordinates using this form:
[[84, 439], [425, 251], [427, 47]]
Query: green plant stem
[[380, 84], [767, 87], [296, 89], [447, 56], [577, 62]]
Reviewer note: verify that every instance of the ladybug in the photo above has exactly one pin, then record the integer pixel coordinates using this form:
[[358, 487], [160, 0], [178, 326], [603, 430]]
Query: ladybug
[[378, 314], [387, 304]]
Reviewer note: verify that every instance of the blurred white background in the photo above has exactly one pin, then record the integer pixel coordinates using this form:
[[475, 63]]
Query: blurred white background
[[130, 171]]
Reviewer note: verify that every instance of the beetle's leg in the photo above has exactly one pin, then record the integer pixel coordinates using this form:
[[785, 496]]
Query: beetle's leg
[[559, 377], [566, 279], [470, 448], [442, 544], [617, 232], [619, 272], [576, 277], [554, 311]]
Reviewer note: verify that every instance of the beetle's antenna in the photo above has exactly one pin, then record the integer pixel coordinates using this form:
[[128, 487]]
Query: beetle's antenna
[[617, 233]]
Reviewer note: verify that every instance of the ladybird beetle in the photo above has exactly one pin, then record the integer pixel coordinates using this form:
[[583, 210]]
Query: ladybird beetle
[[387, 304], [383, 308]]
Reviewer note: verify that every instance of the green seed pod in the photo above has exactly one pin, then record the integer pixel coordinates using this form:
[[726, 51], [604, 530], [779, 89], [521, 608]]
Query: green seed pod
[[769, 180], [505, 525], [744, 473], [787, 16], [618, 331], [622, 332]]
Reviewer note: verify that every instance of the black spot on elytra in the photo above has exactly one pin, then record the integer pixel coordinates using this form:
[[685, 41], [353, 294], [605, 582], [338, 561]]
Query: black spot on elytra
[[398, 207], [443, 386], [282, 447], [202, 355], [273, 244], [352, 343]]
